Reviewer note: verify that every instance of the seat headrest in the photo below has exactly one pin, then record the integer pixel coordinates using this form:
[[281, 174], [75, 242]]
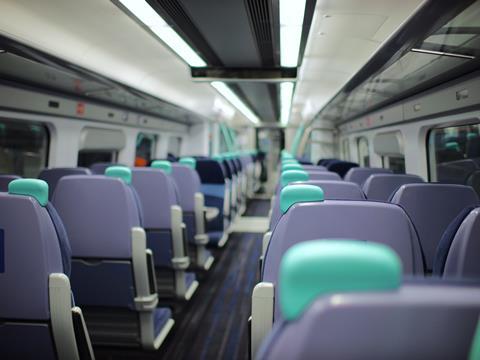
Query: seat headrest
[[289, 176], [287, 155], [289, 161], [164, 165], [188, 161], [291, 166], [120, 172], [218, 157], [38, 189], [321, 267], [293, 194]]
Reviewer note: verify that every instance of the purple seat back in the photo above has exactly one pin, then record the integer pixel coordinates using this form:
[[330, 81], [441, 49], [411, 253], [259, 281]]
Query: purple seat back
[[188, 183], [314, 167], [415, 322], [52, 176], [332, 190], [323, 175], [360, 174], [380, 187], [341, 219], [432, 207], [157, 193], [29, 253], [463, 257], [98, 213], [5, 180]]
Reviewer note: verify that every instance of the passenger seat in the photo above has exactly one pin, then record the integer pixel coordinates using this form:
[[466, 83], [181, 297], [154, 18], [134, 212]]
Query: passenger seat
[[38, 318], [112, 269]]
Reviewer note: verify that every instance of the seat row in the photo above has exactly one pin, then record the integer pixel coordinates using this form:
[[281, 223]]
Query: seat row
[[123, 240], [431, 228]]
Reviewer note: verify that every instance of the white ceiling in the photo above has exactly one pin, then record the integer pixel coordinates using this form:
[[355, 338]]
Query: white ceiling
[[343, 37], [97, 35]]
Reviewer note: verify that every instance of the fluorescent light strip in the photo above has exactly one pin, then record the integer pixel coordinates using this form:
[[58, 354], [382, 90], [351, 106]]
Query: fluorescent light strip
[[286, 95], [291, 25], [233, 99], [151, 19]]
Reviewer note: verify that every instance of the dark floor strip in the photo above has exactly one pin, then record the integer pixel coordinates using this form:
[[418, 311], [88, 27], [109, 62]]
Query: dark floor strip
[[257, 207], [213, 325]]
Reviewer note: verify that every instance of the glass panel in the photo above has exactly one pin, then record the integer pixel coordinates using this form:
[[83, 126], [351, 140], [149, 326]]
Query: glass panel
[[363, 152], [145, 149], [454, 155], [174, 147], [346, 149], [23, 148], [396, 164], [86, 158]]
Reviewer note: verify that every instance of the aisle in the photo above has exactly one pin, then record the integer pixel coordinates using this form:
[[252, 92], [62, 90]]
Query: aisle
[[213, 325]]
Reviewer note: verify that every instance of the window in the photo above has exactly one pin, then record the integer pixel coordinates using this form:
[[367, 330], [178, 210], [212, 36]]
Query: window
[[23, 147], [174, 146], [363, 152], [394, 163], [454, 155], [145, 149], [346, 149], [86, 158]]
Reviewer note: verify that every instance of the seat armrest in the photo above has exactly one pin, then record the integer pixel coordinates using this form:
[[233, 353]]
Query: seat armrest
[[151, 272], [180, 259], [144, 300], [84, 345], [199, 213], [262, 314], [265, 242], [60, 303]]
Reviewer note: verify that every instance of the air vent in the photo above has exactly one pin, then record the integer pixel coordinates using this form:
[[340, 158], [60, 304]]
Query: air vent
[[174, 13], [261, 20]]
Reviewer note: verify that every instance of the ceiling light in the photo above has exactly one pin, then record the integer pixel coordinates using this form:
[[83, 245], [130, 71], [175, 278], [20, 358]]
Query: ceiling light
[[286, 95], [151, 19], [228, 94], [291, 25]]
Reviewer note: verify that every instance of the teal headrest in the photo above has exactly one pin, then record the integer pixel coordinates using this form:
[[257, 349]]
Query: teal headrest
[[38, 189], [452, 145], [286, 167], [471, 135], [321, 267], [120, 172], [164, 165], [289, 161], [217, 157], [293, 194], [188, 161], [289, 176], [287, 156]]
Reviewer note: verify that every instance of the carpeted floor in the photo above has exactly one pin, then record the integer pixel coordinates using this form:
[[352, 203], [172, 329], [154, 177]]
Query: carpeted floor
[[257, 208], [213, 325]]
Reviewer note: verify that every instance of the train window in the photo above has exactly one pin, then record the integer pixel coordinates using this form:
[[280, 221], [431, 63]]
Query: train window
[[346, 149], [86, 158], [389, 145], [363, 152], [145, 149], [454, 155], [394, 163], [23, 148], [174, 145]]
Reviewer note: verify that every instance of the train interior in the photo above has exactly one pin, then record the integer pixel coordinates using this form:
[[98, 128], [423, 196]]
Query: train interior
[[239, 179]]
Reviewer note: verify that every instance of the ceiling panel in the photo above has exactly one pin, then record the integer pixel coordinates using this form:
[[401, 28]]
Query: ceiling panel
[[259, 95], [344, 36]]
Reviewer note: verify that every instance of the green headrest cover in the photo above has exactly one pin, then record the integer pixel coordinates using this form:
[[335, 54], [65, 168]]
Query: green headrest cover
[[475, 348], [38, 189], [287, 156], [293, 194], [321, 267], [286, 167], [289, 176], [217, 157], [471, 135], [452, 145], [120, 172], [289, 161], [164, 165], [188, 161]]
